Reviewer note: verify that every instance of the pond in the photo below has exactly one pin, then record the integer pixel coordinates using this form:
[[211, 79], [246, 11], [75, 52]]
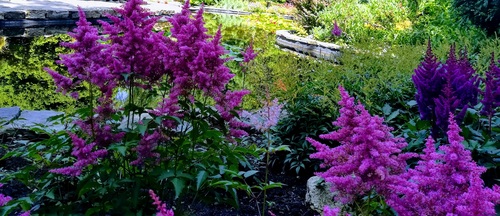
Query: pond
[[24, 82]]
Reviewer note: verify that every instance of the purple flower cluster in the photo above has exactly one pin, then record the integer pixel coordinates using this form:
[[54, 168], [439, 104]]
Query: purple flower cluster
[[85, 155], [445, 182], [336, 31], [491, 94], [249, 53], [195, 63], [444, 88], [132, 55], [160, 206], [429, 81], [266, 117], [369, 157]]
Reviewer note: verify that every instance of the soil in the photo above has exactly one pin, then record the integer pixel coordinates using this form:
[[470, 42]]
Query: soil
[[288, 200]]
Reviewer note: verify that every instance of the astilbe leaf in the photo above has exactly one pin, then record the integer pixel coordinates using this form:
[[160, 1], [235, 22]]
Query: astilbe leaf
[[368, 158]]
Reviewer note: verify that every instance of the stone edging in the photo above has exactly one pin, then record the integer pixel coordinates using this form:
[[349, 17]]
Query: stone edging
[[287, 40]]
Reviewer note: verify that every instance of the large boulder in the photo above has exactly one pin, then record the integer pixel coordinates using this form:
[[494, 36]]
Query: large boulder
[[319, 194]]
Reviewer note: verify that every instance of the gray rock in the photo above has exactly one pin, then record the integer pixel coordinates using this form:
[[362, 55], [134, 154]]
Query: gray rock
[[14, 15], [29, 119], [57, 14], [36, 14], [34, 31], [8, 114], [318, 194]]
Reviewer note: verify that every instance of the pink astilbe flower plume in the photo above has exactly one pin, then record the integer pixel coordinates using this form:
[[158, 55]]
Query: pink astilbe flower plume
[[265, 118], [85, 156], [136, 48], [336, 31], [447, 182], [196, 63], [368, 158], [249, 53], [148, 143], [160, 206]]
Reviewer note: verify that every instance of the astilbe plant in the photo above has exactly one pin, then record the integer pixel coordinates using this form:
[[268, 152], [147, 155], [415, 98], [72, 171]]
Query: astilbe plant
[[445, 182], [428, 80], [186, 69], [368, 158], [491, 93], [443, 88], [336, 31], [88, 66]]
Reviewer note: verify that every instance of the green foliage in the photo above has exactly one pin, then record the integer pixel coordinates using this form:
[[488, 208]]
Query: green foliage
[[257, 27], [308, 115], [483, 13], [395, 22], [197, 159], [378, 75], [204, 2], [23, 82], [308, 11], [232, 4]]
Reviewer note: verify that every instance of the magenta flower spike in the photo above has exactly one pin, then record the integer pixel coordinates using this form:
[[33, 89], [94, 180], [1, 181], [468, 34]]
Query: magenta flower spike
[[160, 206], [249, 53], [491, 94], [369, 157], [336, 31]]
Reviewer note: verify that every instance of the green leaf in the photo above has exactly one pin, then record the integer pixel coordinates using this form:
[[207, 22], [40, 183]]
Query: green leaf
[[142, 128], [50, 194], [200, 178], [250, 173], [386, 109], [411, 103], [166, 174], [179, 185], [119, 148], [392, 116], [272, 185]]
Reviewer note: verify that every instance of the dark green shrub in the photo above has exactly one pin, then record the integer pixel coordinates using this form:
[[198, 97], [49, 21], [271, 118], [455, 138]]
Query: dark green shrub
[[308, 11], [308, 116], [483, 13]]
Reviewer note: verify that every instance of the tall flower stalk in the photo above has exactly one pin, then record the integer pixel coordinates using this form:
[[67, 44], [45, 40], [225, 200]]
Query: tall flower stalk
[[491, 93], [368, 159]]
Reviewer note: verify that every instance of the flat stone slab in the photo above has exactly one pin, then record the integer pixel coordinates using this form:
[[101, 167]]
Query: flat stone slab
[[8, 114], [64, 9], [34, 118], [286, 40]]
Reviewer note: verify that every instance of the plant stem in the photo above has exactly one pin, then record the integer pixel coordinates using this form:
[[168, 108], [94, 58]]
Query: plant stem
[[92, 110], [267, 171]]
